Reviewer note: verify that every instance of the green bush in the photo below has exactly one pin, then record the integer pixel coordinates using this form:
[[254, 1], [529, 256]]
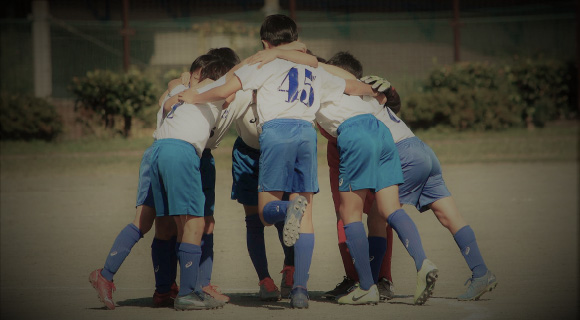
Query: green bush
[[547, 87], [26, 117], [482, 96], [111, 96]]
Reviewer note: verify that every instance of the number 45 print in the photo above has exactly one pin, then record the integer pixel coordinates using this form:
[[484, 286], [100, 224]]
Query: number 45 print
[[290, 85]]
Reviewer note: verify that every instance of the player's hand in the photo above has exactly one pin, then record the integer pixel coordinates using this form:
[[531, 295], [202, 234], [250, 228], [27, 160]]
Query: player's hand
[[377, 83], [295, 45], [187, 96], [263, 57], [185, 77]]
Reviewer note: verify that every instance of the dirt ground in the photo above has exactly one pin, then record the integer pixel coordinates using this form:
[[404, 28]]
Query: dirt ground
[[56, 229]]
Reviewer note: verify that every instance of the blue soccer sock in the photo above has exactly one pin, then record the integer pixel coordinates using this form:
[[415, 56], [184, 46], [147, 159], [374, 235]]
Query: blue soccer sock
[[465, 239], [288, 251], [303, 249], [275, 211], [161, 252], [189, 256], [358, 245], [256, 245], [120, 250], [206, 261], [409, 235], [377, 250]]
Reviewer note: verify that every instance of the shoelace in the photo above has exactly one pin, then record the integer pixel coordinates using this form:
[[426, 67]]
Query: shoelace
[[468, 281], [289, 275], [269, 284]]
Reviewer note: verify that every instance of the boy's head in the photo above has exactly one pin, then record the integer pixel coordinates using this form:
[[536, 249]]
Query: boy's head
[[348, 62], [198, 64], [215, 69], [226, 54], [278, 29]]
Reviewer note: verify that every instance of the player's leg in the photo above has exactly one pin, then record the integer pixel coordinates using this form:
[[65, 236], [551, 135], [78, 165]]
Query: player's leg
[[351, 276], [437, 197], [164, 257], [482, 280], [288, 268], [102, 279], [208, 178]]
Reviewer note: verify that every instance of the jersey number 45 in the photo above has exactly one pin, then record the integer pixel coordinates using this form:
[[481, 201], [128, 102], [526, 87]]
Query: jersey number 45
[[291, 85]]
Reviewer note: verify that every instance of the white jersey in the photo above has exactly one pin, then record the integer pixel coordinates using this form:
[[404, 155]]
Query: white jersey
[[178, 89], [191, 123], [236, 109], [332, 114], [287, 90], [399, 129]]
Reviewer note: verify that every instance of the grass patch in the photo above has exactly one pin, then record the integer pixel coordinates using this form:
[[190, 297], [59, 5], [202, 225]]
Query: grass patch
[[556, 142]]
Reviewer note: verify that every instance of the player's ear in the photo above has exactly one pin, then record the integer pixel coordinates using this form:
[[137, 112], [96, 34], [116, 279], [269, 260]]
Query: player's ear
[[266, 45]]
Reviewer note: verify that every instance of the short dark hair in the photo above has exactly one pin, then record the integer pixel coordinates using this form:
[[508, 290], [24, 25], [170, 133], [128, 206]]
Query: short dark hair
[[348, 62], [225, 53], [278, 29], [202, 61], [215, 69]]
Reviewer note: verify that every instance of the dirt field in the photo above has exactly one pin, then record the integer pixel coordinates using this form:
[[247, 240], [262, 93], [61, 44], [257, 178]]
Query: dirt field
[[56, 229]]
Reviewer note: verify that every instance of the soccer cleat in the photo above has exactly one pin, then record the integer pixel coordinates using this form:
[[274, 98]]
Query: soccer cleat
[[294, 214], [104, 288], [162, 300], [426, 278], [196, 301], [165, 300], [287, 281], [479, 286], [214, 292], [359, 296], [386, 291], [341, 289], [268, 290], [299, 298]]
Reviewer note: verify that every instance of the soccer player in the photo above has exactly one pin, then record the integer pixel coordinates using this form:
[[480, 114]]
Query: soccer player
[[369, 161], [288, 96], [425, 189], [102, 279]]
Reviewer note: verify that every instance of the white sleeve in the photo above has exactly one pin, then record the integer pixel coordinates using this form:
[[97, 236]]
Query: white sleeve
[[253, 78], [332, 87]]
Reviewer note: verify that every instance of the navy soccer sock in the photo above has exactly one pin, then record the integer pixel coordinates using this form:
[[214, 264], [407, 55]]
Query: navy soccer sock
[[120, 250], [161, 251], [358, 245], [189, 255], [206, 261], [465, 239], [275, 211], [409, 235], [173, 258], [288, 251], [303, 249], [256, 245], [377, 250]]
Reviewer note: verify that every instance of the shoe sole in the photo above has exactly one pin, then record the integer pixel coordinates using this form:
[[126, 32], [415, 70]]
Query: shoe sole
[[430, 280], [292, 223], [487, 289]]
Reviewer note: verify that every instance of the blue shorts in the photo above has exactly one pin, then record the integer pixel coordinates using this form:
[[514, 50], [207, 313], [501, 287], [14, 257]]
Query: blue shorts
[[207, 169], [144, 193], [368, 156], [245, 161], [423, 177], [288, 160], [176, 178]]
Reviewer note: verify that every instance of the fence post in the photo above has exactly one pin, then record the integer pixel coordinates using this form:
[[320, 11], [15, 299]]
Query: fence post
[[456, 25], [41, 51]]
